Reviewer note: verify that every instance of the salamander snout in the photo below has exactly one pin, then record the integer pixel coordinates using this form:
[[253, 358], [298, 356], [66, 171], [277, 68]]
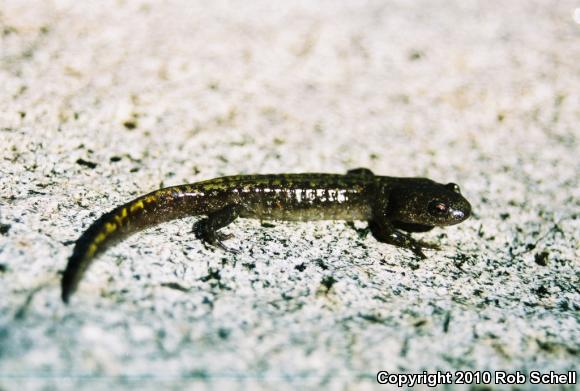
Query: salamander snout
[[457, 214], [461, 213], [448, 209]]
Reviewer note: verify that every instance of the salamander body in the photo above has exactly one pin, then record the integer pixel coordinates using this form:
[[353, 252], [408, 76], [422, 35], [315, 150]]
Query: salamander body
[[392, 206]]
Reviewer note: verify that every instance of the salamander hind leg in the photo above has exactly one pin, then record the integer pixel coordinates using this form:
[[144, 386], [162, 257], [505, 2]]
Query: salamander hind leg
[[387, 233], [207, 229]]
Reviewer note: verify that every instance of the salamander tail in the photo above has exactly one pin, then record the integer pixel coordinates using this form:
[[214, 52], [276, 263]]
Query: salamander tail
[[151, 209], [103, 233]]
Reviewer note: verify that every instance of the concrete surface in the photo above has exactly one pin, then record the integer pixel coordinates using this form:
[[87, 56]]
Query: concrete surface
[[101, 101]]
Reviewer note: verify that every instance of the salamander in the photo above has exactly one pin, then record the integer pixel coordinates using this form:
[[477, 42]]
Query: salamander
[[393, 207]]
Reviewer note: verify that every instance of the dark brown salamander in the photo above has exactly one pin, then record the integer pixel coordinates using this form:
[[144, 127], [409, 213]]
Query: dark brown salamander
[[390, 205]]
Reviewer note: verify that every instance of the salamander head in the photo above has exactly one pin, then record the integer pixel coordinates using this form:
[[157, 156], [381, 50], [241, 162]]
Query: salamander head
[[429, 203]]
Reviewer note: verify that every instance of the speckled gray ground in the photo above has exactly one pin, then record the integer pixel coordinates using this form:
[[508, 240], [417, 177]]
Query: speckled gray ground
[[158, 93]]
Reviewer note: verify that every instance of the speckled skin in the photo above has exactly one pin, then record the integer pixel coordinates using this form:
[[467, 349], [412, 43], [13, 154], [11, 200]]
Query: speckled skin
[[390, 205]]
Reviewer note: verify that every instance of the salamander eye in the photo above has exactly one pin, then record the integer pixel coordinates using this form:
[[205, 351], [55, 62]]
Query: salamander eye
[[437, 208], [453, 187]]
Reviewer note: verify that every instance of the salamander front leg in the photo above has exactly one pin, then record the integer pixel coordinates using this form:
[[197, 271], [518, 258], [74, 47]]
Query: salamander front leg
[[207, 229], [385, 232]]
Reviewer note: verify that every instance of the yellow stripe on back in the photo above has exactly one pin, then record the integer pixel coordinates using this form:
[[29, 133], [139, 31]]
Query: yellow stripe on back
[[137, 206]]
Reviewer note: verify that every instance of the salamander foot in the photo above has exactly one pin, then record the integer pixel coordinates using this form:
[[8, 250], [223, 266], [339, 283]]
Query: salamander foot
[[212, 237], [208, 229]]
